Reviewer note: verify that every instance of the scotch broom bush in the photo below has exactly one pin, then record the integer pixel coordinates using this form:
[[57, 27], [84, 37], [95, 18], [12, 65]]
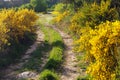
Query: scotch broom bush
[[92, 15], [14, 24], [101, 46]]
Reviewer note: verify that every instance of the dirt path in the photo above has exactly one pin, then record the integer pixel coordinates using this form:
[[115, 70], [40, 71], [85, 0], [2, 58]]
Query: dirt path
[[11, 72], [70, 71]]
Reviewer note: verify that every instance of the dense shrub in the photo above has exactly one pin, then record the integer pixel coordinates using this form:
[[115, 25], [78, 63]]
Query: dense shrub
[[39, 5], [60, 7], [101, 46], [26, 6], [15, 24], [18, 22], [92, 15], [60, 16]]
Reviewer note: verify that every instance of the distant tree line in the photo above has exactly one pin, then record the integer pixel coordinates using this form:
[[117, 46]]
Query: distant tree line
[[78, 3], [12, 3], [37, 5]]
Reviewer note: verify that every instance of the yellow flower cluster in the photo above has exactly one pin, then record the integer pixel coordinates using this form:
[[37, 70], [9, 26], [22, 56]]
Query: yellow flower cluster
[[56, 13], [15, 23], [101, 45], [76, 22], [3, 35], [60, 16]]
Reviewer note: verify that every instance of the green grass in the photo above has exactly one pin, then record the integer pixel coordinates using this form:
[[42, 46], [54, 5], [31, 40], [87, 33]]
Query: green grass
[[54, 39], [55, 58], [48, 75], [87, 77]]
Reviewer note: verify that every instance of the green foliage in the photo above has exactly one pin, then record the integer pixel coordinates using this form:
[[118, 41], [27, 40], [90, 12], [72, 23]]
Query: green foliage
[[28, 6], [92, 15], [39, 5], [116, 4], [48, 75], [60, 7], [87, 77]]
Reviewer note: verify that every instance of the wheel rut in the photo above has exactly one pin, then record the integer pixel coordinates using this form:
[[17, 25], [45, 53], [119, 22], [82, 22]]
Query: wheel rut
[[70, 70]]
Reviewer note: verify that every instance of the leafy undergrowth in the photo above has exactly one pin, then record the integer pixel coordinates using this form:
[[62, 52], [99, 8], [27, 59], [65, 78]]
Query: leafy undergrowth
[[55, 57]]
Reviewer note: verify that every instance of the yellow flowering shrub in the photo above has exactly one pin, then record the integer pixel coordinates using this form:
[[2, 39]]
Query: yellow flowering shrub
[[3, 35], [14, 24], [60, 16], [24, 20], [101, 46], [56, 13], [18, 22]]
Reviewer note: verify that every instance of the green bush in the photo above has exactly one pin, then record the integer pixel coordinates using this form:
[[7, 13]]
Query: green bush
[[28, 6], [48, 75], [39, 5], [60, 7], [92, 15]]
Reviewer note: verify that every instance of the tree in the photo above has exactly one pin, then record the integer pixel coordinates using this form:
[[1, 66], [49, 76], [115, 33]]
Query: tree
[[39, 5]]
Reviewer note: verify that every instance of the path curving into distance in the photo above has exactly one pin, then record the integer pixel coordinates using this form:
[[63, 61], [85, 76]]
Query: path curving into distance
[[69, 70]]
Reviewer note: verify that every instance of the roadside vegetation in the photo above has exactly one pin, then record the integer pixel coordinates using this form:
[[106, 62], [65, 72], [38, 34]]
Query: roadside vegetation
[[89, 23]]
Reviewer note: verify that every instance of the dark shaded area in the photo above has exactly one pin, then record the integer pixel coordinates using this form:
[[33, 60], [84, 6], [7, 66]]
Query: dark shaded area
[[52, 64], [16, 50], [36, 57], [58, 44]]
